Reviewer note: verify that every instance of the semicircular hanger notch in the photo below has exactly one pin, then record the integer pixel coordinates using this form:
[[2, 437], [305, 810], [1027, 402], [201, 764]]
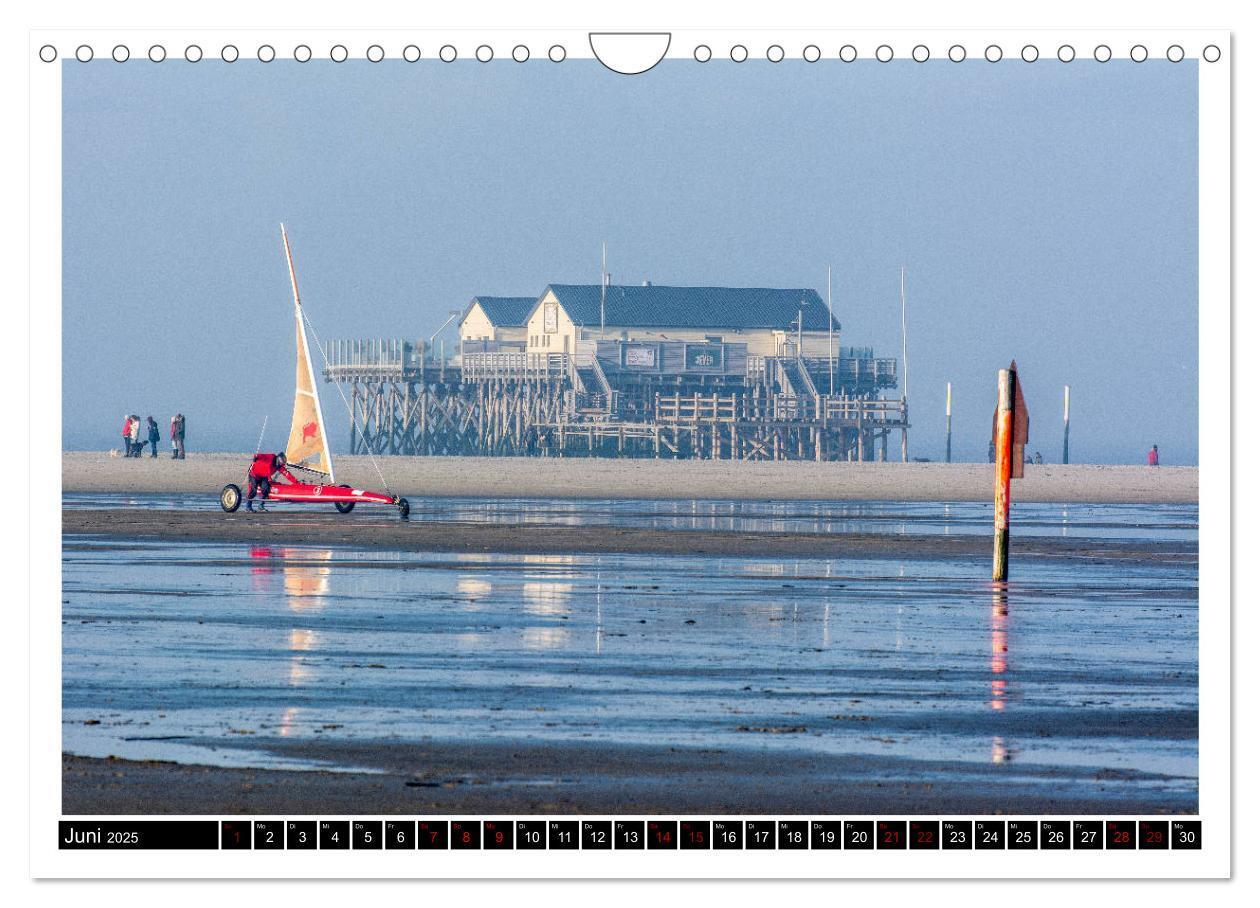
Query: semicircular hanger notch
[[629, 53]]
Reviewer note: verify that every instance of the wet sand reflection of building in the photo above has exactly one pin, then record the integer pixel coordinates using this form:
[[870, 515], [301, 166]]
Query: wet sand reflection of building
[[547, 598]]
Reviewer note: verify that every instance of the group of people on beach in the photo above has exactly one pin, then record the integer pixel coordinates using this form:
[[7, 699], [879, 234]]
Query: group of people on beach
[[136, 433], [1152, 456]]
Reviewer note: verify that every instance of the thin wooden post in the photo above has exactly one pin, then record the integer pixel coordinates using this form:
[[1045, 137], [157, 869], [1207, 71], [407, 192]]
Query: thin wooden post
[[1002, 475], [949, 419], [1067, 397]]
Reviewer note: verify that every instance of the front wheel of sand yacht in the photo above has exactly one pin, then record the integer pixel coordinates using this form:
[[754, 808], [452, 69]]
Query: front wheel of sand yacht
[[404, 508], [230, 498], [344, 507]]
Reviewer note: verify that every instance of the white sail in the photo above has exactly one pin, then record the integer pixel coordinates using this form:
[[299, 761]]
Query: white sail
[[308, 442]]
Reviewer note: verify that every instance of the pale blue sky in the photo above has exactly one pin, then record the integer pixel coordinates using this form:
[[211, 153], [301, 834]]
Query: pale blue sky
[[1046, 212]]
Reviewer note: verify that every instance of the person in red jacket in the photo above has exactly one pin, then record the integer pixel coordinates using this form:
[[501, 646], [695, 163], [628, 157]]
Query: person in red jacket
[[1152, 456], [264, 467]]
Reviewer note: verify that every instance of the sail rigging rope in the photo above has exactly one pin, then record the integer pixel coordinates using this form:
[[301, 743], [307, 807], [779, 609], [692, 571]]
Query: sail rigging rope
[[328, 366]]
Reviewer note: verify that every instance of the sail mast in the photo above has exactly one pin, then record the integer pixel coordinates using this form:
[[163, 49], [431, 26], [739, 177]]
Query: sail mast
[[304, 351]]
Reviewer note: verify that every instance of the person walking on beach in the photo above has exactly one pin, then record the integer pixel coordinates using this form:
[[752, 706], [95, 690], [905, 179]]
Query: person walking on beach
[[154, 437], [261, 470], [177, 436], [992, 452], [126, 436], [1152, 457], [136, 445], [1037, 458]]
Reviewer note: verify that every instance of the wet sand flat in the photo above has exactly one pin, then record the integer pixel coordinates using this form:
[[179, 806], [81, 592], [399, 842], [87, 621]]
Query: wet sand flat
[[381, 529], [520, 779], [247, 675], [614, 478]]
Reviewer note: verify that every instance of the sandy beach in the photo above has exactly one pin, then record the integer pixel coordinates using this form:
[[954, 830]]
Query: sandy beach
[[608, 478]]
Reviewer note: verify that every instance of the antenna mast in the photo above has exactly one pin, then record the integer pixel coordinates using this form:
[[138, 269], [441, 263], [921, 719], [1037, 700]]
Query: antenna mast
[[905, 373], [603, 283], [905, 365], [831, 347]]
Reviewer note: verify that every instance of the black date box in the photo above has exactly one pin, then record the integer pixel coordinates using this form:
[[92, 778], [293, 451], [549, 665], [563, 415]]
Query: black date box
[[759, 835], [1186, 834], [433, 835], [1121, 834], [1152, 834], [826, 834], [496, 835], [400, 834], [234, 834], [890, 834], [694, 834], [1087, 835], [957, 834], [859, 834], [562, 835], [268, 835], [1056, 835], [531, 835], [334, 835], [793, 835], [629, 834], [662, 834], [1021, 835], [465, 835], [300, 835], [728, 834], [990, 834], [366, 835], [597, 834], [925, 834]]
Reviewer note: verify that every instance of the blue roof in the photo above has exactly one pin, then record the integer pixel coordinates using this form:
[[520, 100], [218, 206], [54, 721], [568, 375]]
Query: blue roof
[[694, 307], [505, 311]]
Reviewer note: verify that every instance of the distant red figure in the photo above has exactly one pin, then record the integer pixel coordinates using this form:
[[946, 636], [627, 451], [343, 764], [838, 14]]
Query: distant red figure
[[309, 430], [1152, 459]]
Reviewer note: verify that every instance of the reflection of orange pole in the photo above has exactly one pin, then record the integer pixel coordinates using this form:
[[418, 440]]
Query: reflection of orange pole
[[1002, 476], [997, 650]]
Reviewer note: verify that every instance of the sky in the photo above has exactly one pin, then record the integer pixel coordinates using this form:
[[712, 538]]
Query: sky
[[1044, 212]]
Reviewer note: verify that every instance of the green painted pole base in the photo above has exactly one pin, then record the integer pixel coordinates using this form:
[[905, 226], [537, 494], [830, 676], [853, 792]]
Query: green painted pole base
[[1001, 541]]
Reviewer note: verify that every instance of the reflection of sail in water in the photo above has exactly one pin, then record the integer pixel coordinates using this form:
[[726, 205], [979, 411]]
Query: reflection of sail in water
[[301, 641], [305, 573], [997, 650], [306, 577]]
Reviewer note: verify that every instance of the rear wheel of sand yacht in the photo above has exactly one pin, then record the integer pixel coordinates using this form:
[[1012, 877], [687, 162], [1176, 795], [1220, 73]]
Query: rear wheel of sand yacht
[[404, 508], [230, 498], [344, 507]]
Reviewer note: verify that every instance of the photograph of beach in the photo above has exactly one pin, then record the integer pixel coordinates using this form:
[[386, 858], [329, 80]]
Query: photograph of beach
[[584, 444]]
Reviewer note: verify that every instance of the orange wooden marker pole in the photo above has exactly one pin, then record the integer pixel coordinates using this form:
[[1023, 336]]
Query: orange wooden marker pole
[[1002, 475]]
